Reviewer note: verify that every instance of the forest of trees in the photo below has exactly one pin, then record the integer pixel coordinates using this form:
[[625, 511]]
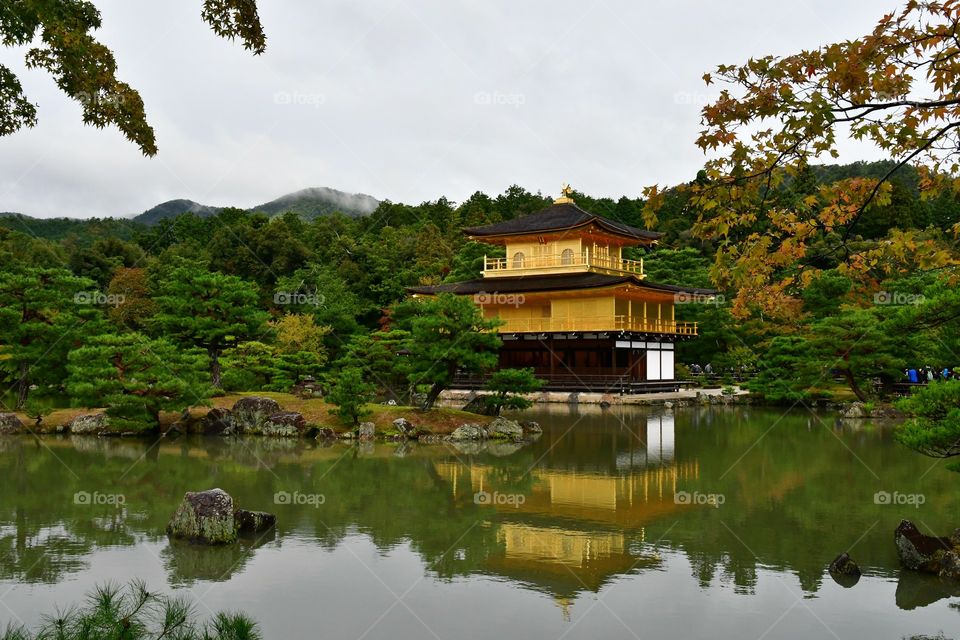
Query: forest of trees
[[241, 301]]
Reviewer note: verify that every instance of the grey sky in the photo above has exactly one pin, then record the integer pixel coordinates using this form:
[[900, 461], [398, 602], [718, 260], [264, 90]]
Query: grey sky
[[402, 99]]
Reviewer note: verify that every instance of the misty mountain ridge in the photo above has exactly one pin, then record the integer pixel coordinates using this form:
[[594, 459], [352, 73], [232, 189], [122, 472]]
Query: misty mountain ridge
[[308, 203]]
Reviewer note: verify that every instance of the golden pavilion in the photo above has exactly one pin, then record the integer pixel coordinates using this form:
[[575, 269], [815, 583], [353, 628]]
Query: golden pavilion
[[572, 306]]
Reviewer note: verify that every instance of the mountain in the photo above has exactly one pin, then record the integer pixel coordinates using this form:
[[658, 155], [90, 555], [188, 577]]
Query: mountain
[[173, 208], [320, 201], [307, 203]]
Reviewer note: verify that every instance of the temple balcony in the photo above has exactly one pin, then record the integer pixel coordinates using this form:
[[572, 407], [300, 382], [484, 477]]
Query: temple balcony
[[565, 262], [596, 324]]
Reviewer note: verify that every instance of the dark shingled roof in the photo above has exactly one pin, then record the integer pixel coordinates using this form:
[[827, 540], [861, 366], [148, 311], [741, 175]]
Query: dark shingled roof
[[522, 284], [556, 218]]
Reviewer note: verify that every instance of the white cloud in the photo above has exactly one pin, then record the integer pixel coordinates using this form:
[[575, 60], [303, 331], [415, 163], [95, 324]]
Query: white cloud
[[403, 99]]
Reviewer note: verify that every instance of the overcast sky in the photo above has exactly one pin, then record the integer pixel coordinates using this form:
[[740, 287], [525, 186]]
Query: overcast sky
[[403, 100]]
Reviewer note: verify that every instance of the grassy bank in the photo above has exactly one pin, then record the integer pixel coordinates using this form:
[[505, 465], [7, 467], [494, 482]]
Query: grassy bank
[[439, 420]]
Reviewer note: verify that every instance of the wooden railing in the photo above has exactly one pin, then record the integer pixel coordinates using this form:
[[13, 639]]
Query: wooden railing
[[608, 323], [583, 261], [603, 383]]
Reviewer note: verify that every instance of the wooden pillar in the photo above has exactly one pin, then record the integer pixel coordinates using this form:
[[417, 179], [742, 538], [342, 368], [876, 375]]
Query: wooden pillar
[[553, 356]]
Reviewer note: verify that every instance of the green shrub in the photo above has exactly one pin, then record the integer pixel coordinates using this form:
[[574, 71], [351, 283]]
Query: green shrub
[[506, 385], [934, 429], [112, 612]]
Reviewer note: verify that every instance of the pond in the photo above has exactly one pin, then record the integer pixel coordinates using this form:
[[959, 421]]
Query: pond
[[620, 523]]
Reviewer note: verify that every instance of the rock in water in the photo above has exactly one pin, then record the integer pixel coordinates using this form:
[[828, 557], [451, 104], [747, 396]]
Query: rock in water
[[468, 432], [94, 424], [10, 424], [220, 422], [855, 411], [367, 431], [506, 429], [844, 570], [326, 433], [205, 517], [253, 521], [253, 411], [288, 424], [404, 426], [918, 551], [531, 427]]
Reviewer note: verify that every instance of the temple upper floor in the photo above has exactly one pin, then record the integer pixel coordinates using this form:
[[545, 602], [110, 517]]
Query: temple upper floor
[[562, 238]]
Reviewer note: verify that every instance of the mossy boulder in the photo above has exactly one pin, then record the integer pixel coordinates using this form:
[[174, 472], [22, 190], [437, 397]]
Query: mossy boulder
[[844, 570], [367, 431], [252, 412], [218, 422], [326, 433], [505, 429], [404, 427], [204, 517], [929, 554], [10, 424], [531, 427], [252, 522], [92, 424], [286, 424], [855, 411], [468, 431]]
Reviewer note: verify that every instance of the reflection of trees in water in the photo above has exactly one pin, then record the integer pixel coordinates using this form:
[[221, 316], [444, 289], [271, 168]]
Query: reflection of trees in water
[[797, 497]]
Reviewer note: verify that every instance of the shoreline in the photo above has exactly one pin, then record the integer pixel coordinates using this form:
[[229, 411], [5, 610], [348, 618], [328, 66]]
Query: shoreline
[[313, 419], [684, 397]]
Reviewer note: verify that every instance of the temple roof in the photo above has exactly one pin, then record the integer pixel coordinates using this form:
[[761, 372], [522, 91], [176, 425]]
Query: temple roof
[[558, 217], [522, 284]]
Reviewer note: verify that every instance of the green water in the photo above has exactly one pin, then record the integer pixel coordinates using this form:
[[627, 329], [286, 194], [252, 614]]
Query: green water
[[703, 523]]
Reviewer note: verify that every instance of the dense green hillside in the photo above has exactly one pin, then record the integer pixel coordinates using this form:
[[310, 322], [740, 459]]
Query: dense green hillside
[[320, 201], [173, 208], [347, 273], [306, 203]]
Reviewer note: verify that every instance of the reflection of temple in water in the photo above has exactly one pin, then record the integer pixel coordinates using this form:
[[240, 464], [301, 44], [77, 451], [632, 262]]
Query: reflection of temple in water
[[574, 530]]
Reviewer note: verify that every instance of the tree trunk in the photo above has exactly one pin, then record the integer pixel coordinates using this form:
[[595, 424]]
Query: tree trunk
[[852, 382], [23, 385], [432, 396], [214, 353]]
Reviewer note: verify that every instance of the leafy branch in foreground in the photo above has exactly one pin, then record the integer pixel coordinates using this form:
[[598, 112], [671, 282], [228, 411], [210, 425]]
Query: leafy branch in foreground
[[894, 88], [934, 429], [85, 69], [112, 612]]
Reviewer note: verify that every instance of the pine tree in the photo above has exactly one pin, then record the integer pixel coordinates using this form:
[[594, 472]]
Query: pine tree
[[350, 394], [136, 379], [43, 313], [448, 333], [207, 310]]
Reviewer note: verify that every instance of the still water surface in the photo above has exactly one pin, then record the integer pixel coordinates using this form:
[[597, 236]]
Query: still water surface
[[618, 523]]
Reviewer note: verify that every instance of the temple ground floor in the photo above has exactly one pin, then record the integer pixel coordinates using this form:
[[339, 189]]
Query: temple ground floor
[[594, 362]]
